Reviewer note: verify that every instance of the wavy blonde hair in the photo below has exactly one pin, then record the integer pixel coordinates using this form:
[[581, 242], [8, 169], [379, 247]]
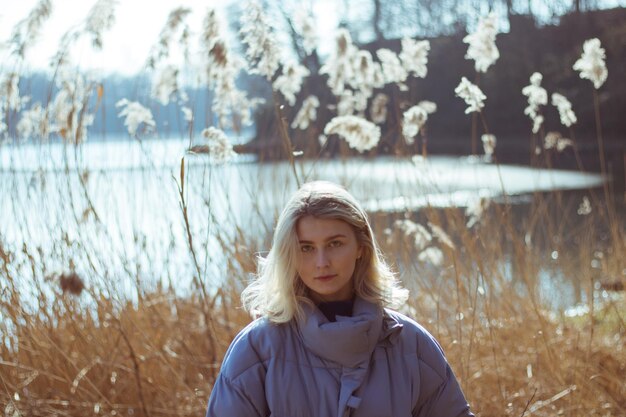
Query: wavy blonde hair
[[277, 291]]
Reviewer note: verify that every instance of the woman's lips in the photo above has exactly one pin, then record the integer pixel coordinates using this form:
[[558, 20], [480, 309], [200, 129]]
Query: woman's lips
[[326, 277]]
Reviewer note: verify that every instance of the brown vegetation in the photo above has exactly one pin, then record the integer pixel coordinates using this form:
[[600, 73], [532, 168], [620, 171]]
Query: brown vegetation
[[100, 354]]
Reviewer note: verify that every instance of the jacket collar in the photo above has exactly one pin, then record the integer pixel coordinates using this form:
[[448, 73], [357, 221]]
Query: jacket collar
[[350, 340], [391, 328]]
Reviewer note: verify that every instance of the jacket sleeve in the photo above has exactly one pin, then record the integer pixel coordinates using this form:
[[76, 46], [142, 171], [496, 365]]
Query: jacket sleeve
[[446, 401], [239, 390], [230, 399], [441, 394]]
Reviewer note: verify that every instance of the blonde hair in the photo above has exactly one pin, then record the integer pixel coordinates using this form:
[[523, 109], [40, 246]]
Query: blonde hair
[[277, 291]]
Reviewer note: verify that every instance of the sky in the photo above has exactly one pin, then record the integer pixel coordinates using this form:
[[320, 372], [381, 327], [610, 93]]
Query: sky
[[137, 26], [127, 44]]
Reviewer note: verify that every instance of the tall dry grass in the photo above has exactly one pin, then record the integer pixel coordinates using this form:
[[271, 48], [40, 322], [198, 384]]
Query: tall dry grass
[[98, 352], [514, 352], [97, 342]]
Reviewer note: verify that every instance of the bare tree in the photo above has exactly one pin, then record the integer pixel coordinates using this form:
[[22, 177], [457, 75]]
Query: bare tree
[[376, 23]]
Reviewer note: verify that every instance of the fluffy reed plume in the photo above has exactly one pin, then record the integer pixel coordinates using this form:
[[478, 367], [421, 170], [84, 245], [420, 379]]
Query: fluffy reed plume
[[366, 74], [304, 24], [360, 134], [537, 96], [421, 240], [10, 99], [489, 145], [378, 108], [219, 147], [101, 17], [482, 43], [289, 82], [339, 66], [10, 92], [584, 209], [34, 123], [591, 63], [414, 119], [165, 79], [220, 63], [431, 255], [221, 68], [554, 140], [187, 114], [351, 102], [475, 210], [135, 115], [414, 56], [392, 69], [262, 49], [345, 105], [306, 114], [472, 95], [361, 98], [210, 36], [592, 67], [567, 115], [26, 32], [364, 70], [165, 84], [174, 26], [441, 235], [420, 237], [69, 110]]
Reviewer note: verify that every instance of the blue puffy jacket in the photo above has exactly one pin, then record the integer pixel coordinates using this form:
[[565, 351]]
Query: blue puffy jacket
[[377, 363]]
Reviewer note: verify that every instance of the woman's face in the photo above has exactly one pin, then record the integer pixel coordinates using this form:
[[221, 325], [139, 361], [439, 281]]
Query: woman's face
[[327, 257]]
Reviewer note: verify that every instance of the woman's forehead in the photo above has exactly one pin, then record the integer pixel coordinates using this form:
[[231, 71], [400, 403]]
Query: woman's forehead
[[310, 228]]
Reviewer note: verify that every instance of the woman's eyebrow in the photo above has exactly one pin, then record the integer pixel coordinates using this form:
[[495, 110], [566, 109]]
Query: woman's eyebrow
[[339, 235]]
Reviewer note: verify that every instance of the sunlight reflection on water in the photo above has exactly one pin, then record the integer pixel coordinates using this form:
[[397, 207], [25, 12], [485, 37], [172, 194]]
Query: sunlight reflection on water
[[133, 191]]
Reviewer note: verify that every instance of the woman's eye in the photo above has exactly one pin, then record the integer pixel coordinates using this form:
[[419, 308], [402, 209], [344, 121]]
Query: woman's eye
[[306, 248], [335, 243]]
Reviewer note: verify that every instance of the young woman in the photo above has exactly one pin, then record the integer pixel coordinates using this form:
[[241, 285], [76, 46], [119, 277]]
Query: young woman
[[326, 343]]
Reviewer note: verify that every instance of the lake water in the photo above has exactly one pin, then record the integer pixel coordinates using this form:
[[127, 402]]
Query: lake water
[[117, 213]]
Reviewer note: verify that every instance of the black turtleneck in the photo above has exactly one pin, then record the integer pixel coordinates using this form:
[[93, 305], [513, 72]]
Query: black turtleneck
[[332, 309]]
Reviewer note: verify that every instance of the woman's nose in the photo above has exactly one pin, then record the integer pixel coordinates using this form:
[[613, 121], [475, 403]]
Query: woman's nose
[[321, 259]]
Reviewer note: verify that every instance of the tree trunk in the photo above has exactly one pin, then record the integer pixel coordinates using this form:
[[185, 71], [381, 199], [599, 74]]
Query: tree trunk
[[377, 19], [509, 9]]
